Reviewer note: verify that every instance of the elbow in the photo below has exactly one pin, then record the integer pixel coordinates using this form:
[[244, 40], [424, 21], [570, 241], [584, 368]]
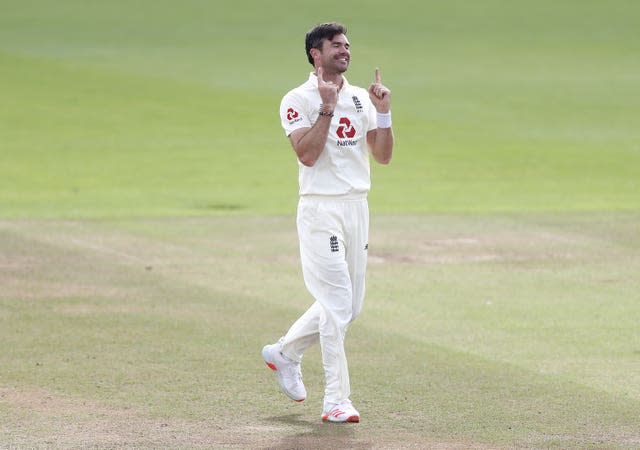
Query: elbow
[[306, 157], [307, 161], [385, 159]]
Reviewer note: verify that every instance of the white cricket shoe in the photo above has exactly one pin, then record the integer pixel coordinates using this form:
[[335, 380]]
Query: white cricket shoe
[[341, 413], [288, 372]]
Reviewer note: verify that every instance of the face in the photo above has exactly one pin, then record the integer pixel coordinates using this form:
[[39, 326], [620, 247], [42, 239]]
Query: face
[[335, 55]]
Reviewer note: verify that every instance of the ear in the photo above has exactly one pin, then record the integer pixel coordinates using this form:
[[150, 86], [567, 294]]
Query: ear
[[315, 53]]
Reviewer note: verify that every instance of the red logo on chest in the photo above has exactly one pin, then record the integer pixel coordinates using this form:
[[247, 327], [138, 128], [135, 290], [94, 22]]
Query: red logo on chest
[[345, 129]]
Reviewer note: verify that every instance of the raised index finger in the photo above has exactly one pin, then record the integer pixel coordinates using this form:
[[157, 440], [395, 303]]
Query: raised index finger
[[319, 73], [377, 75]]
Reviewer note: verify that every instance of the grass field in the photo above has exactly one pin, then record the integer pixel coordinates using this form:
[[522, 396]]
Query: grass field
[[148, 246]]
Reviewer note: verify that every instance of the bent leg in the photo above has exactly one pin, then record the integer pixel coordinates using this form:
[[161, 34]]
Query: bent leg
[[326, 275], [303, 333]]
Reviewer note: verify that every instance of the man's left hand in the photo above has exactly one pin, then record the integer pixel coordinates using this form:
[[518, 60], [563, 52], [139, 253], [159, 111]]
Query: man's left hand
[[379, 94]]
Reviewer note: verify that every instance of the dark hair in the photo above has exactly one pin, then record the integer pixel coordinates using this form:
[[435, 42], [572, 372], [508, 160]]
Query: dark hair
[[319, 33]]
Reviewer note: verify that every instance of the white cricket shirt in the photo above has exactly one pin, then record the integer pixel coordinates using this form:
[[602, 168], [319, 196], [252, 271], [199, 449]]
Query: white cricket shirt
[[343, 165]]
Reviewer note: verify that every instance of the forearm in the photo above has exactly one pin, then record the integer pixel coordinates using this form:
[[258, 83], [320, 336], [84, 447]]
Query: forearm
[[382, 145], [309, 144]]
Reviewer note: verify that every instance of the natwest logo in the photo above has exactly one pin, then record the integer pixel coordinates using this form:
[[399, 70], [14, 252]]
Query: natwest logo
[[292, 115], [345, 129]]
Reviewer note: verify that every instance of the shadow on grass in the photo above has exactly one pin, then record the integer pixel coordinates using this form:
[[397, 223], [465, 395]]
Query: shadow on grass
[[317, 434]]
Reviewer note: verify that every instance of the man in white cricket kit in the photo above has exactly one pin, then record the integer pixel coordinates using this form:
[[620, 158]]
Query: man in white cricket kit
[[332, 126]]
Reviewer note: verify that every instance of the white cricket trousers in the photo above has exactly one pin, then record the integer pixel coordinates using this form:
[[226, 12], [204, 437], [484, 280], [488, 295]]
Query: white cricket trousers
[[334, 235]]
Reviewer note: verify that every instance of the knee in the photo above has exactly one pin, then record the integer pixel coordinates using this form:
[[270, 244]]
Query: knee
[[345, 319]]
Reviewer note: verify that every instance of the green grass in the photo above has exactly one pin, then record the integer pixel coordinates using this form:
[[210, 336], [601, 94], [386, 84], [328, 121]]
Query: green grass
[[147, 233], [159, 110], [129, 146], [509, 331]]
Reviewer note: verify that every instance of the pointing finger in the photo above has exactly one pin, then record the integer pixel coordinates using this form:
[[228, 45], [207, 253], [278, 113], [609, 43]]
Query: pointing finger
[[377, 75], [320, 72]]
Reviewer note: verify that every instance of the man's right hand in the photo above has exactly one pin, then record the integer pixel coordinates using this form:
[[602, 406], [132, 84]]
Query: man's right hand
[[328, 92]]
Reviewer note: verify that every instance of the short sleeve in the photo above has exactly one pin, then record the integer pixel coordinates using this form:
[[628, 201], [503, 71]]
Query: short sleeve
[[293, 113]]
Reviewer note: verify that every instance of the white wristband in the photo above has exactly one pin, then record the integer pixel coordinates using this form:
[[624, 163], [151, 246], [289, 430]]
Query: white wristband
[[384, 119]]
